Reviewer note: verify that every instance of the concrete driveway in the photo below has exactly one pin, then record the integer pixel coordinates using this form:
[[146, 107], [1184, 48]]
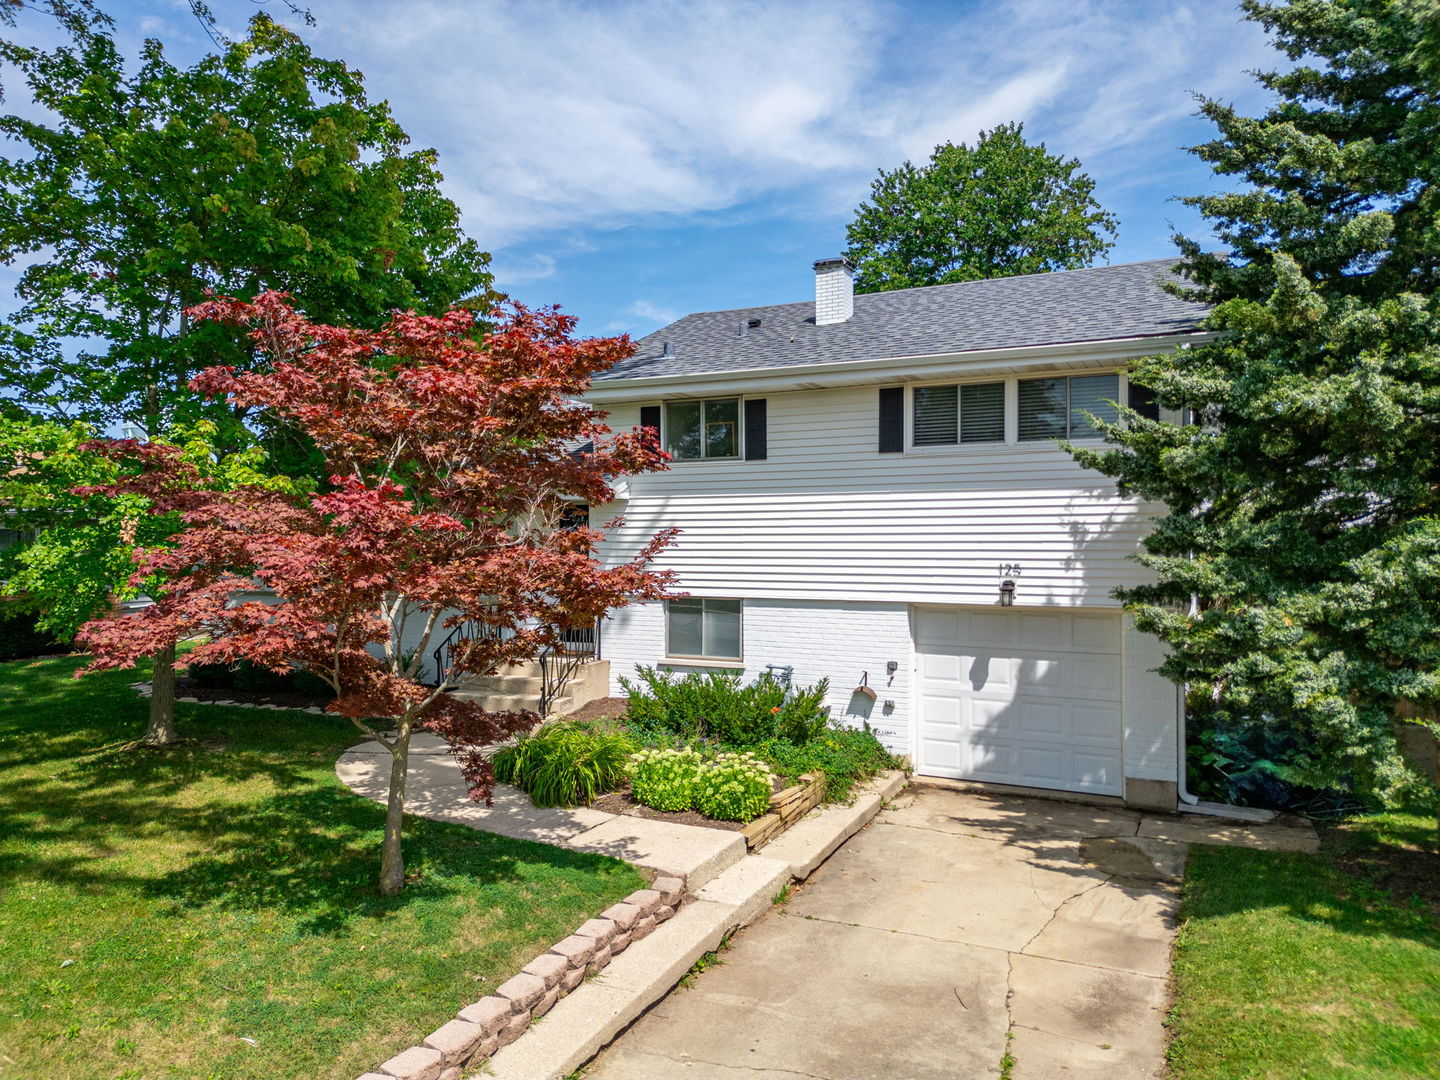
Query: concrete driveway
[[954, 930]]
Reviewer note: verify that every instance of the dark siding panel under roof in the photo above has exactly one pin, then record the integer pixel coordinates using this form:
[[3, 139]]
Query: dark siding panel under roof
[[1069, 306]]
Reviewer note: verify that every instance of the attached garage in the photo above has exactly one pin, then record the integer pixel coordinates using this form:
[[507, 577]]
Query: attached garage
[[1026, 697]]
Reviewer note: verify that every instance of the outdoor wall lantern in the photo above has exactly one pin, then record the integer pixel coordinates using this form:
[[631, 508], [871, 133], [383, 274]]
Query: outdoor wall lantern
[[1007, 593]]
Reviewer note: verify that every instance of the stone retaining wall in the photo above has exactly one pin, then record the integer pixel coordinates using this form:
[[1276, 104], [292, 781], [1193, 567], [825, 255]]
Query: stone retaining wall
[[786, 808], [479, 1030]]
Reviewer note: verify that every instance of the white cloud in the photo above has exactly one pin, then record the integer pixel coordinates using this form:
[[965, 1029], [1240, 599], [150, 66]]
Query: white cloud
[[522, 270], [644, 309], [552, 115]]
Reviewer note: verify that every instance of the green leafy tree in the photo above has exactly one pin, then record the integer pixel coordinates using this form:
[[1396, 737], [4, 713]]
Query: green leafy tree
[[999, 208], [1298, 564], [81, 558], [260, 167]]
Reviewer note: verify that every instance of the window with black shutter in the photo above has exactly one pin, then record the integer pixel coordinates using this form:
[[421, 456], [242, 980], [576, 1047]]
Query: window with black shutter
[[755, 429], [892, 419], [1142, 400]]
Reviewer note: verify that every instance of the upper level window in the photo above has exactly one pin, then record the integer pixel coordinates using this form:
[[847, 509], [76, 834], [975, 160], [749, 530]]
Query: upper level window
[[1056, 408], [969, 413], [703, 429]]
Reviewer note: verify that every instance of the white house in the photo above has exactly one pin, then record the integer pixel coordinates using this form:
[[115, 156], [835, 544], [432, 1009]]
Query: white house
[[869, 489]]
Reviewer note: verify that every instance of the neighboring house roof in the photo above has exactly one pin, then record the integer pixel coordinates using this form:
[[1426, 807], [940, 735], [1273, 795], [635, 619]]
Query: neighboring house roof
[[1102, 303]]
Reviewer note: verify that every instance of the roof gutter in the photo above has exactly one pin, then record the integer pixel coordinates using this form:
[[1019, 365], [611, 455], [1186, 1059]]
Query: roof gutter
[[890, 369]]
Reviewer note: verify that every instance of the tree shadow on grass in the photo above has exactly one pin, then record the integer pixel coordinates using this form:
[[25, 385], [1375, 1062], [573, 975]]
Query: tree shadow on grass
[[248, 815], [1308, 888]]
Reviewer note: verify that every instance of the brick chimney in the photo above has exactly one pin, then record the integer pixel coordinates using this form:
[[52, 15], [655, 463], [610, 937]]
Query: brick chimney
[[834, 290]]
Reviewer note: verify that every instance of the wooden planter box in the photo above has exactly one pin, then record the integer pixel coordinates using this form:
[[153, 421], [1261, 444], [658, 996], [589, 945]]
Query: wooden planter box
[[786, 808]]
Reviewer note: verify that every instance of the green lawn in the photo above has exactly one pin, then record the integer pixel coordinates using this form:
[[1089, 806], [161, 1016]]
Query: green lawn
[[211, 911], [1312, 967]]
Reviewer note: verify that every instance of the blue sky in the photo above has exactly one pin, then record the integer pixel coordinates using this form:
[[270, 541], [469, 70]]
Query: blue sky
[[633, 161]]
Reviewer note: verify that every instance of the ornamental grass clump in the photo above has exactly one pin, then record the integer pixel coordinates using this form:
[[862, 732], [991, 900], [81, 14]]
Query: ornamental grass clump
[[565, 764], [665, 779], [734, 787]]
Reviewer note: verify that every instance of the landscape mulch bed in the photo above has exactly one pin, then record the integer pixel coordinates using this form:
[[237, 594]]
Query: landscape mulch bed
[[608, 708], [621, 802]]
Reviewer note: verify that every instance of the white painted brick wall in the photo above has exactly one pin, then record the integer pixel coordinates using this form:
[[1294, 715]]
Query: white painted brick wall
[[836, 639], [834, 292], [843, 639], [1150, 708]]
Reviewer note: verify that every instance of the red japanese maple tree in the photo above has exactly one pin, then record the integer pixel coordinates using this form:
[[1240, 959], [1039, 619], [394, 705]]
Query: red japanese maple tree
[[452, 456]]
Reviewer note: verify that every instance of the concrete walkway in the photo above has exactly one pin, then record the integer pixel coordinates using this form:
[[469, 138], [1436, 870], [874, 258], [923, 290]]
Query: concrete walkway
[[956, 928], [435, 788]]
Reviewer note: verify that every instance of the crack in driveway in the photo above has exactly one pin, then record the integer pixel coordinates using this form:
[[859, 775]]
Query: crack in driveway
[[927, 1000]]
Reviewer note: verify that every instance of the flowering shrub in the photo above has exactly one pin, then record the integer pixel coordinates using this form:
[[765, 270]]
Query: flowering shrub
[[665, 779], [734, 787]]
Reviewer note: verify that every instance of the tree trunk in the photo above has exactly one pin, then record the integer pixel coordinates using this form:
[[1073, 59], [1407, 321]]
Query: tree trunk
[[161, 731], [392, 861]]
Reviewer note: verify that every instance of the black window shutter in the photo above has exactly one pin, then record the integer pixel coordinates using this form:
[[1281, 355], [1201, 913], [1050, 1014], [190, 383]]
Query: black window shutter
[[892, 419], [755, 449], [650, 418], [1142, 400]]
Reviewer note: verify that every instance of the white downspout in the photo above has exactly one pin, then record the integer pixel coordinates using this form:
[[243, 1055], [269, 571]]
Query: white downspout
[[1182, 775], [1181, 692]]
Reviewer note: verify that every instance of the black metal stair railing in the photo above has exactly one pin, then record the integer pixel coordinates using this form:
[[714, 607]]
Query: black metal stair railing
[[558, 664]]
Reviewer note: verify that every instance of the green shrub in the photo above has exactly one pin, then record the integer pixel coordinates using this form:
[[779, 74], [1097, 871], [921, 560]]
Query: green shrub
[[211, 676], [251, 677], [803, 717], [718, 706], [847, 756], [21, 639], [565, 764], [734, 787], [665, 779]]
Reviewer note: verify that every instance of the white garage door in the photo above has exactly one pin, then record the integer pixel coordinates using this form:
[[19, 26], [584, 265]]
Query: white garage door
[[1020, 697]]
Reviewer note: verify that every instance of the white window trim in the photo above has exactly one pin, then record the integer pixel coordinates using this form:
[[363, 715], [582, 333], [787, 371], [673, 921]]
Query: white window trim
[[1012, 440], [1122, 387], [739, 400], [708, 661], [700, 662], [950, 448]]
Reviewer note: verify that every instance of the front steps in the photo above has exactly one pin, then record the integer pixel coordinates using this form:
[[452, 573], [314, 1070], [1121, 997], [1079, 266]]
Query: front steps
[[518, 686]]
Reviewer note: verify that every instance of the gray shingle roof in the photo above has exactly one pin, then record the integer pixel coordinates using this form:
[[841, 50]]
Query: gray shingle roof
[[1100, 303]]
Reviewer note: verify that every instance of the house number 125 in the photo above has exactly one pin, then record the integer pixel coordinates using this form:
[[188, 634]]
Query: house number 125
[[1009, 569]]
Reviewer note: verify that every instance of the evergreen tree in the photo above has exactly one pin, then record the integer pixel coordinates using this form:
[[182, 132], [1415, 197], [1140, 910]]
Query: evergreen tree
[[1298, 562]]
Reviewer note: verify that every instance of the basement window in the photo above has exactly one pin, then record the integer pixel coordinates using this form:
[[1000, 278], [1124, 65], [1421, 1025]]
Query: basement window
[[702, 628]]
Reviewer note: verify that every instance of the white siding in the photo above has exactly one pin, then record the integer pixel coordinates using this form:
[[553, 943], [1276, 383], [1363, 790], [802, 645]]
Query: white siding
[[1151, 705], [827, 516], [829, 542], [834, 640]]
